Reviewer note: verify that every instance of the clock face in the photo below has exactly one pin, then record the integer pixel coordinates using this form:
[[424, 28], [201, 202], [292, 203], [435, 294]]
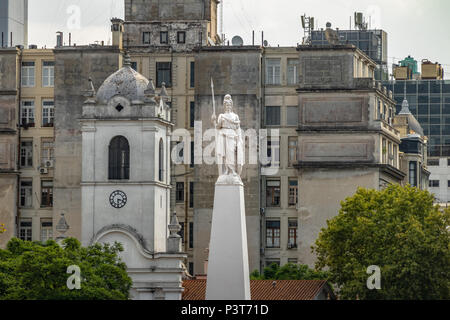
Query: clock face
[[118, 199]]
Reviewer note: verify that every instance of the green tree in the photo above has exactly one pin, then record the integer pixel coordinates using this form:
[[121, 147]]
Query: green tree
[[397, 229], [34, 270], [289, 271]]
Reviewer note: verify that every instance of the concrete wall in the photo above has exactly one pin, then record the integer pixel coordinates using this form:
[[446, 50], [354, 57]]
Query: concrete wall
[[166, 10], [73, 67], [8, 142], [235, 71]]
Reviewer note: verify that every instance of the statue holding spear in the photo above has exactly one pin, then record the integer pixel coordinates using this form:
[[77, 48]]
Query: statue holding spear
[[229, 142]]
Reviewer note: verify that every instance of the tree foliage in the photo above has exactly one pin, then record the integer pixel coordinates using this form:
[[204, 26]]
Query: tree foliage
[[289, 271], [37, 271], [397, 229]]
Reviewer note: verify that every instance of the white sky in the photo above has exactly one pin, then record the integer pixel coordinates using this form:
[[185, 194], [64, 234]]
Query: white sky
[[419, 28]]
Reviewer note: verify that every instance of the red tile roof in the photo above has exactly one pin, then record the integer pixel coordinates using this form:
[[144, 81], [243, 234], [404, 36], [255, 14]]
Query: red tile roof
[[265, 289]]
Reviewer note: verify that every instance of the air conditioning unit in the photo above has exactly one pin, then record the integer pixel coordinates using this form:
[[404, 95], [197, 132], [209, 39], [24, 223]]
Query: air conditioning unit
[[43, 170], [48, 163]]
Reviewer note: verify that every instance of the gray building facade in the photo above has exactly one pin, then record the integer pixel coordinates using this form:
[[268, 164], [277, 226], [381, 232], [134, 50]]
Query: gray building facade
[[14, 23]]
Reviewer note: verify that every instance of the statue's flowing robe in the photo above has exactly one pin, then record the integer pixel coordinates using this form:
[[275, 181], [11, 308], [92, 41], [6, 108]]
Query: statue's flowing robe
[[229, 142]]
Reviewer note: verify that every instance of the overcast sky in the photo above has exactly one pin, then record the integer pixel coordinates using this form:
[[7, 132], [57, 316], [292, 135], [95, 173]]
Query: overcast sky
[[419, 28]]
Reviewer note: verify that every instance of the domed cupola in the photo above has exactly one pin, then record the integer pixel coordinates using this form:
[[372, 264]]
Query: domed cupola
[[125, 82]]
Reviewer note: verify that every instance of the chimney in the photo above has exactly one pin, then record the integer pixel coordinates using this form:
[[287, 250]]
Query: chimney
[[59, 39], [117, 32]]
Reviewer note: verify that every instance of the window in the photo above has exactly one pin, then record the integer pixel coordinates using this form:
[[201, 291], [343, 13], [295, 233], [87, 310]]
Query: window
[[191, 268], [164, 37], [26, 154], [27, 74], [384, 151], [181, 37], [433, 162], [395, 155], [26, 193], [192, 114], [119, 159], [179, 194], [192, 155], [434, 183], [27, 113], [292, 116], [47, 150], [272, 234], [391, 155], [46, 230], [25, 231], [448, 183], [134, 65], [273, 151], [48, 113], [273, 116], [413, 173], [163, 74], [448, 162], [292, 69], [146, 37], [191, 234], [46, 193], [273, 70], [192, 82], [292, 152], [292, 230], [273, 193], [48, 73], [293, 192], [161, 161], [191, 194]]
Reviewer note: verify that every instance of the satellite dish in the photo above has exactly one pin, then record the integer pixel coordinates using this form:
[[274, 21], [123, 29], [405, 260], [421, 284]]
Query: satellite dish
[[237, 41], [266, 44]]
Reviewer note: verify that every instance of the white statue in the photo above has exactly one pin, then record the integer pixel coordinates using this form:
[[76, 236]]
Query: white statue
[[229, 142]]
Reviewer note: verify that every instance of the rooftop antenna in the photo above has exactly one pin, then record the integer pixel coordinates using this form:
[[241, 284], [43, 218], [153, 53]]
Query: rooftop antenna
[[221, 19], [360, 21], [308, 27]]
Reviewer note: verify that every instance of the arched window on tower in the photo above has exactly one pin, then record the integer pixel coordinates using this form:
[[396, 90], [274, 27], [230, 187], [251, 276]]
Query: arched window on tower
[[119, 159], [161, 160]]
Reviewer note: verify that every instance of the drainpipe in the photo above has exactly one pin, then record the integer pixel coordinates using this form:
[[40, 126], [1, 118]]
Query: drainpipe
[[19, 128]]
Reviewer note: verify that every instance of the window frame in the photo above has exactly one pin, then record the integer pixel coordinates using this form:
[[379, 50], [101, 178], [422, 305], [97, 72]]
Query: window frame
[[267, 117], [292, 158], [119, 171], [289, 71], [48, 81], [163, 66], [273, 233], [48, 113], [179, 192], [292, 233], [292, 192], [27, 112], [46, 232], [26, 154], [46, 198], [179, 33], [26, 193], [144, 34], [25, 74], [273, 192], [26, 231], [166, 34], [273, 79]]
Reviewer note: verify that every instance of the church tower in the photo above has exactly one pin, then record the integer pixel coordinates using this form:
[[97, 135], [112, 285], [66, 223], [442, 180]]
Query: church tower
[[125, 185]]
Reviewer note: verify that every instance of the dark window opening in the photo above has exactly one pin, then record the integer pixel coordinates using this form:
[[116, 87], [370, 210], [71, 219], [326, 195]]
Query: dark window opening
[[119, 159], [163, 74], [161, 160], [146, 37], [164, 37], [179, 193], [181, 37]]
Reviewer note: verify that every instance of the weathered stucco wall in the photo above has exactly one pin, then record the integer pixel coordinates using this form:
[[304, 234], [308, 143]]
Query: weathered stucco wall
[[235, 71], [73, 67]]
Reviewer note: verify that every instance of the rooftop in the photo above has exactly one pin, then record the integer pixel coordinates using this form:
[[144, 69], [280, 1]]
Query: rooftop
[[268, 289]]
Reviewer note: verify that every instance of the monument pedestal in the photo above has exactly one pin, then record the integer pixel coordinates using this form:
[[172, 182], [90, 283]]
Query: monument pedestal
[[228, 271]]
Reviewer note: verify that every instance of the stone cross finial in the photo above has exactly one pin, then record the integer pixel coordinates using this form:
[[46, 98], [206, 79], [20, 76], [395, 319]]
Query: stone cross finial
[[174, 241], [62, 228]]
